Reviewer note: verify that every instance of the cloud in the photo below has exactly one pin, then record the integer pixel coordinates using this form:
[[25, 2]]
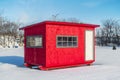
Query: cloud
[[24, 18]]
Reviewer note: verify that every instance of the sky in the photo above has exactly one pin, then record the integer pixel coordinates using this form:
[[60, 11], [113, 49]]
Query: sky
[[33, 11]]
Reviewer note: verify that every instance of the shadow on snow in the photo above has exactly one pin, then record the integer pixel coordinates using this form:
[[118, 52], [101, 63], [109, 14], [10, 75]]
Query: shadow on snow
[[13, 60]]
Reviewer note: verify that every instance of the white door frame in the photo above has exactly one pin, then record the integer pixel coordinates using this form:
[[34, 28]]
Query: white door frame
[[89, 45]]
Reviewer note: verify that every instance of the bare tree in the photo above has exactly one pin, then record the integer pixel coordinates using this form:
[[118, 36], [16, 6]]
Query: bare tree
[[9, 31], [55, 17], [73, 20], [110, 32]]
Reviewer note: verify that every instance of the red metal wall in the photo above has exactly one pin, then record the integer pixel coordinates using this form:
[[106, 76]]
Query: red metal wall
[[56, 57], [35, 56]]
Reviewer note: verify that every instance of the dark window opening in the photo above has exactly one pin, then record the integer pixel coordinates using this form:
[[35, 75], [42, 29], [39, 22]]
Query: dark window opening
[[67, 41]]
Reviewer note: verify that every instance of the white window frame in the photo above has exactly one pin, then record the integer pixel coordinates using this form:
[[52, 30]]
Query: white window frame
[[67, 46]]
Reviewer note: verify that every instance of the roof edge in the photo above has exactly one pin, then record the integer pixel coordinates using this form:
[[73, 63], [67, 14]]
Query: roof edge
[[70, 23], [62, 23]]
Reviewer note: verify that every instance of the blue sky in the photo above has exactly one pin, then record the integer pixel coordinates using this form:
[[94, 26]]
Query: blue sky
[[32, 11]]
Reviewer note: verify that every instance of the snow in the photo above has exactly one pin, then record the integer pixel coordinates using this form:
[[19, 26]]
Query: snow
[[106, 67]]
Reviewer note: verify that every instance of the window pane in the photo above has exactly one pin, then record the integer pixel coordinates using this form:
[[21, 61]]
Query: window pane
[[69, 43], [74, 43], [31, 39], [69, 38], [64, 43], [74, 38], [64, 38], [59, 38], [59, 44], [38, 41], [28, 41], [34, 41], [28, 44]]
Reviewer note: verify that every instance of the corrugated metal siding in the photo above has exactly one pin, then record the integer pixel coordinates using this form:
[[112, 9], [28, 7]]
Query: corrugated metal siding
[[35, 56]]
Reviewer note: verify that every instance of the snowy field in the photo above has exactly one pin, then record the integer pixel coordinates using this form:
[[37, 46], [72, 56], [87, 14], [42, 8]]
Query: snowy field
[[106, 67]]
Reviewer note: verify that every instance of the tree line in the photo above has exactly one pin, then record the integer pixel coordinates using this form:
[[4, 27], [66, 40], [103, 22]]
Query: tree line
[[109, 33], [10, 36]]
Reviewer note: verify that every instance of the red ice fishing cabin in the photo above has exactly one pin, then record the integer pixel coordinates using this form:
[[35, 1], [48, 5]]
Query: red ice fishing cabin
[[53, 44]]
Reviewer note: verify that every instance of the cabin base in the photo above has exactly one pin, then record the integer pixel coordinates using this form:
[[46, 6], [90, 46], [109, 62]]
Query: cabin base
[[60, 67], [27, 65]]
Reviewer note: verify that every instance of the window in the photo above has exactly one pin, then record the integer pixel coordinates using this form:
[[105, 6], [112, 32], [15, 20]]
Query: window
[[34, 41], [67, 41]]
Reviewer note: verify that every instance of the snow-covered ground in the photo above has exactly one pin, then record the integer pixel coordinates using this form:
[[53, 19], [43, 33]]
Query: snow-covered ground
[[106, 67]]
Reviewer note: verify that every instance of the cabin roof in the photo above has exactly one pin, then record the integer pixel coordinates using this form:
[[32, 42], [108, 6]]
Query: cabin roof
[[62, 23]]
